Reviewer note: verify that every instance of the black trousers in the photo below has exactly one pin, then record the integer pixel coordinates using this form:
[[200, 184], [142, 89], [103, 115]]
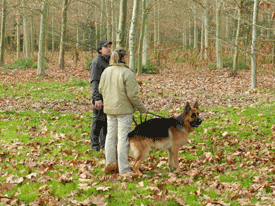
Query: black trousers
[[98, 129]]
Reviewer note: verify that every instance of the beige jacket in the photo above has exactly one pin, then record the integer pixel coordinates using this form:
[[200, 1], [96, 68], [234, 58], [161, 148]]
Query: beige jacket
[[119, 89]]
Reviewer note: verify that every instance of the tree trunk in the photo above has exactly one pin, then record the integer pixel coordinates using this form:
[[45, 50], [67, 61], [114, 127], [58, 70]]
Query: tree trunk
[[113, 22], [206, 27], [42, 40], [61, 63], [155, 24], [145, 53], [202, 39], [26, 31], [253, 46], [236, 52], [132, 34], [122, 24], [52, 34], [218, 36], [139, 70], [18, 33], [101, 21], [108, 20], [3, 22], [32, 41], [195, 33]]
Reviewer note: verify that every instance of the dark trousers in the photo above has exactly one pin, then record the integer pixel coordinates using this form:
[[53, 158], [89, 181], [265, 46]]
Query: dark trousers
[[98, 129]]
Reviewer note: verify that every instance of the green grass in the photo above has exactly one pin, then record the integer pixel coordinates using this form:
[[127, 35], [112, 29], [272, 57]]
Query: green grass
[[53, 143]]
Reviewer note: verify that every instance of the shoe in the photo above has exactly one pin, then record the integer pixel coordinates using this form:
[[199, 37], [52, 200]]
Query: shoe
[[96, 150], [111, 169]]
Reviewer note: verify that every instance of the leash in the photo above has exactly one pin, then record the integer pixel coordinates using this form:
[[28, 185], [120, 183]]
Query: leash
[[145, 117]]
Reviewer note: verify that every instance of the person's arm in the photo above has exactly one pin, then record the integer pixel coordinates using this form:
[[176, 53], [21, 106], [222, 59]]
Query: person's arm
[[132, 92], [95, 73]]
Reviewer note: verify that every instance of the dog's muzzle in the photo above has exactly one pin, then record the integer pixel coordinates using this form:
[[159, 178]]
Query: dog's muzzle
[[196, 122]]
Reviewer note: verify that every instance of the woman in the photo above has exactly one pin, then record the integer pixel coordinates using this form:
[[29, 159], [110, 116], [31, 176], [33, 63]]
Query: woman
[[119, 89]]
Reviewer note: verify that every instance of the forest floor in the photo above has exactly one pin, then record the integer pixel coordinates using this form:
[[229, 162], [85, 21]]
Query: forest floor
[[45, 155]]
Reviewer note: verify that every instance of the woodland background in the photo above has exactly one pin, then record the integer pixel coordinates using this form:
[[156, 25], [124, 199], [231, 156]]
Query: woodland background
[[220, 53], [208, 30]]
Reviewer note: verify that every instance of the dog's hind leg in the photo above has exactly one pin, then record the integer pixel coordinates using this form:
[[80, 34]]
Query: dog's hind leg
[[140, 151], [136, 165]]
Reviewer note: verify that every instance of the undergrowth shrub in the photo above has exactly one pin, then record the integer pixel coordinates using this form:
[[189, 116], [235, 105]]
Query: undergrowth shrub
[[228, 63], [88, 62], [22, 63], [77, 82], [149, 68]]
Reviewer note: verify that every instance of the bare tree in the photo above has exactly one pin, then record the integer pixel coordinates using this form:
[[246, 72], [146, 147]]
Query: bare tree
[[132, 34], [253, 46], [144, 16], [206, 27], [26, 31], [218, 35], [42, 39], [3, 22], [61, 63], [122, 24], [236, 52], [18, 32], [145, 53]]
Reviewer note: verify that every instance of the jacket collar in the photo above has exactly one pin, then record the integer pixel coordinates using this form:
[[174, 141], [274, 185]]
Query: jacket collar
[[122, 65], [103, 58]]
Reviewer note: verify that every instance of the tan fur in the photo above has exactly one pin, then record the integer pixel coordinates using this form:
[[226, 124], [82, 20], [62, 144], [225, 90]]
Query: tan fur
[[141, 146]]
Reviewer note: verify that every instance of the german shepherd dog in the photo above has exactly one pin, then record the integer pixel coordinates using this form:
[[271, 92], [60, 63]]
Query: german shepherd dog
[[163, 133]]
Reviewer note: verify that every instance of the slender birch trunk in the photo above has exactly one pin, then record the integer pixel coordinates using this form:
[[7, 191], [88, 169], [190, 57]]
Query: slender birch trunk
[[113, 22], [190, 35], [145, 53], [26, 31], [132, 34], [18, 33], [202, 40], [139, 70], [183, 38], [3, 23], [155, 24], [61, 63], [42, 40], [218, 35], [53, 35], [236, 44], [108, 20], [101, 21], [122, 24], [195, 33], [253, 46], [32, 42], [206, 27]]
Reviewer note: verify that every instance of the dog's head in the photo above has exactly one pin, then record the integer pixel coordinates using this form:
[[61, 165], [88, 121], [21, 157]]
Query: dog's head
[[191, 115]]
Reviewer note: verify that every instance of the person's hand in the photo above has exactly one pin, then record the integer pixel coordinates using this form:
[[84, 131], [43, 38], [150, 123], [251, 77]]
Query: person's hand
[[146, 111], [98, 104]]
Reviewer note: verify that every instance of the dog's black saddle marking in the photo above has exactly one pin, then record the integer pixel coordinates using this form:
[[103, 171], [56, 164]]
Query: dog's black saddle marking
[[157, 128]]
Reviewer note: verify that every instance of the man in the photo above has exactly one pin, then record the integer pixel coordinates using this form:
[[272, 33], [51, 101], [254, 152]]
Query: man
[[99, 123]]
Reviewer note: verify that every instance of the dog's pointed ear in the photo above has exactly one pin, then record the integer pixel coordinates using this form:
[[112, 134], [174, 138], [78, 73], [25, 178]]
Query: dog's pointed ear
[[196, 105], [187, 109]]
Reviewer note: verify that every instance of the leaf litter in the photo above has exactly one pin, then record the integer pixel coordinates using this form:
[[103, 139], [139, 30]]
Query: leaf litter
[[168, 90]]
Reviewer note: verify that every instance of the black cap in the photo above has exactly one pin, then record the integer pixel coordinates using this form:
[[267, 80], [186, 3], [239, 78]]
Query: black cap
[[102, 44], [121, 52]]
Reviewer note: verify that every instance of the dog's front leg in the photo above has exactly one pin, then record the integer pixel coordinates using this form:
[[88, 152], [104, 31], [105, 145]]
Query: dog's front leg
[[173, 157], [170, 159]]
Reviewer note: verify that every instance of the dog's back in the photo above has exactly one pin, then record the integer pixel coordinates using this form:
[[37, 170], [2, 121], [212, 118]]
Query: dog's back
[[155, 129]]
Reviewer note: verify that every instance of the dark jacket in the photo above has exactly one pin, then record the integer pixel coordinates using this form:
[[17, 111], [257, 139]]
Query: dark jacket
[[97, 66]]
